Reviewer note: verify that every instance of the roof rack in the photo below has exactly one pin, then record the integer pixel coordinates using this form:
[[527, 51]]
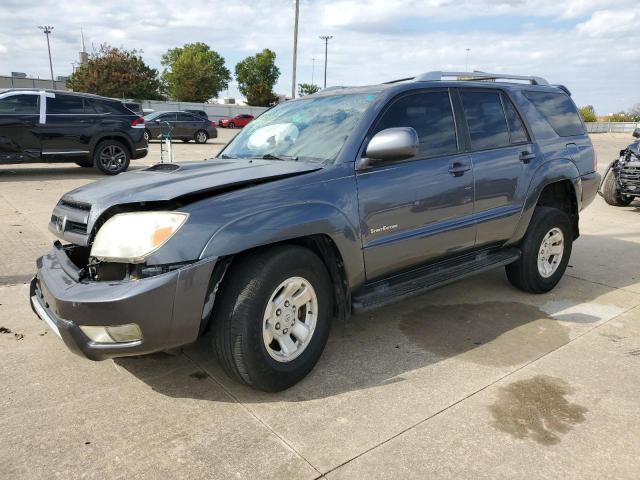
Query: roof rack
[[439, 75]]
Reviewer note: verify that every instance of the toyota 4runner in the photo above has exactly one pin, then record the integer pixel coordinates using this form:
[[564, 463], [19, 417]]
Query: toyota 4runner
[[324, 206]]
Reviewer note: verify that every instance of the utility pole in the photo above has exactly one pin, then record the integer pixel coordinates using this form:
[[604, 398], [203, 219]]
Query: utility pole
[[295, 51], [467, 61], [326, 39], [313, 68], [47, 30]]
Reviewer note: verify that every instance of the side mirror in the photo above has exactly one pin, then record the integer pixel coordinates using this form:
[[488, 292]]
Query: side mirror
[[636, 133], [391, 144]]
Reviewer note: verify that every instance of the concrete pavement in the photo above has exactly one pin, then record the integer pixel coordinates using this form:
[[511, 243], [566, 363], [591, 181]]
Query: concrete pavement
[[474, 380]]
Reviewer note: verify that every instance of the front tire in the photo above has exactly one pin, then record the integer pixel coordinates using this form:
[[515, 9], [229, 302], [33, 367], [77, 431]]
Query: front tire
[[546, 249], [273, 317], [232, 125], [111, 157], [611, 193], [201, 136]]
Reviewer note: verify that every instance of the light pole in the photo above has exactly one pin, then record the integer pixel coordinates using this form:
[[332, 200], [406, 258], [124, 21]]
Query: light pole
[[47, 30], [467, 61], [326, 39], [295, 51], [313, 68]]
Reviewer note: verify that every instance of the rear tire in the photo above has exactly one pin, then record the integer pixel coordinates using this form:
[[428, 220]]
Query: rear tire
[[248, 342], [111, 157], [201, 136], [147, 135], [549, 231], [611, 194]]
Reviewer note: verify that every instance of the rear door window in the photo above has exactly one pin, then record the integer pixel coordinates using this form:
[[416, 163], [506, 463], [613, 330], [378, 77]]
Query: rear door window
[[65, 105], [485, 119], [516, 126], [559, 111], [19, 105], [430, 115], [185, 117]]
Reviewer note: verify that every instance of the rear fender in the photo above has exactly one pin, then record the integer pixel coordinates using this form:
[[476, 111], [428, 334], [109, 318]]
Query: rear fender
[[548, 173]]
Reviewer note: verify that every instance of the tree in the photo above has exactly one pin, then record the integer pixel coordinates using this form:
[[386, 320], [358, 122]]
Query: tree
[[116, 72], [256, 78], [194, 73], [307, 89], [588, 113], [619, 117], [635, 113]]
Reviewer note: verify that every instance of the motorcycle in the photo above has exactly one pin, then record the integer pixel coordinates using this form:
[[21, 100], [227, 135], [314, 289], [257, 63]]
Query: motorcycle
[[621, 182]]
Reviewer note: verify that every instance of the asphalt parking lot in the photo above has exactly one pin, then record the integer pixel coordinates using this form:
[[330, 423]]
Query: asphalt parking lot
[[474, 380]]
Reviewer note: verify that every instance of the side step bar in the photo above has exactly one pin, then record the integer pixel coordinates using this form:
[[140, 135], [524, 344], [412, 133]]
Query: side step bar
[[415, 282]]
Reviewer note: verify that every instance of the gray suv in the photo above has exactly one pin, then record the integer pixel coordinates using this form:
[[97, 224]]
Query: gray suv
[[183, 126], [324, 206]]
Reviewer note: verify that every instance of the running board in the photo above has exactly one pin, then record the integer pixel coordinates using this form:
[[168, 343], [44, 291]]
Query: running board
[[415, 282]]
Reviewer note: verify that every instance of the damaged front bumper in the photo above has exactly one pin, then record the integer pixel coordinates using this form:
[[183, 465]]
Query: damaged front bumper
[[167, 308]]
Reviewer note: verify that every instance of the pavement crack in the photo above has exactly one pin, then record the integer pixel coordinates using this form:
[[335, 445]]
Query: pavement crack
[[474, 393], [230, 394]]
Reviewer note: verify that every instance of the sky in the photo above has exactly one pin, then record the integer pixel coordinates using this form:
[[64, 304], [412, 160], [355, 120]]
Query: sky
[[591, 46]]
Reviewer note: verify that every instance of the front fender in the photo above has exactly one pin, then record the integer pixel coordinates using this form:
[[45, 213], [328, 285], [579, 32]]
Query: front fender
[[549, 172], [289, 222]]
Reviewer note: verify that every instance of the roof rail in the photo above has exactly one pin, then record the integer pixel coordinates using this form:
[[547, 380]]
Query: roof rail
[[438, 75]]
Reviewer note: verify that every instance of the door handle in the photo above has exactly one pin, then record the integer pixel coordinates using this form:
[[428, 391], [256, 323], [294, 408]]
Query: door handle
[[526, 157], [457, 169]]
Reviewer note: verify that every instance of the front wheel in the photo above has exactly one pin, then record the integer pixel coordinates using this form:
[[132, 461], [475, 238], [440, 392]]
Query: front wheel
[[546, 249], [274, 317], [611, 193], [111, 157], [232, 125]]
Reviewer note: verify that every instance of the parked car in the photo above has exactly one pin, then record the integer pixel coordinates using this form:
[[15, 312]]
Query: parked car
[[135, 108], [238, 121], [55, 126], [327, 205], [200, 113], [182, 126], [621, 182]]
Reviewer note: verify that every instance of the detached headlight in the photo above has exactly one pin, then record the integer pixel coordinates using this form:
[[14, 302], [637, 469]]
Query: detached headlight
[[131, 237]]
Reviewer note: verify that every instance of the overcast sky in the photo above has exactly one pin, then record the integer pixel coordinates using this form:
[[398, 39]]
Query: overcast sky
[[592, 46]]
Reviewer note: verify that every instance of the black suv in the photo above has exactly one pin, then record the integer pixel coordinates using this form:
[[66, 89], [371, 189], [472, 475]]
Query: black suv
[[54, 126]]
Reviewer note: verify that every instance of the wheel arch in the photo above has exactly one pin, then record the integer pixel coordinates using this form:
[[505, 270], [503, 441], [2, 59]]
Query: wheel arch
[[555, 184], [112, 136], [320, 244]]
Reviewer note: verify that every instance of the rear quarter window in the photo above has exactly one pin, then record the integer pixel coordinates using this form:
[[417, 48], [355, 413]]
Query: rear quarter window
[[559, 111]]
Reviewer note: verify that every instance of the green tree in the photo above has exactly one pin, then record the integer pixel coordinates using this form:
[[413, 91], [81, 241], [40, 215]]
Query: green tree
[[256, 78], [619, 117], [588, 113], [194, 73], [634, 113], [307, 89], [116, 72]]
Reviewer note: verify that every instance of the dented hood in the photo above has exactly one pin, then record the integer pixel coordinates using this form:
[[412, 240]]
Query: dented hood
[[180, 182], [173, 180]]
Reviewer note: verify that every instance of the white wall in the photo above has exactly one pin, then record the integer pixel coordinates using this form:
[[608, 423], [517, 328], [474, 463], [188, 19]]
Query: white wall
[[214, 111]]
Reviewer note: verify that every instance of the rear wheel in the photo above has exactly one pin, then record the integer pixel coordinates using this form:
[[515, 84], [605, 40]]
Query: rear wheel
[[201, 136], [611, 193], [147, 135], [274, 317], [546, 249], [111, 157]]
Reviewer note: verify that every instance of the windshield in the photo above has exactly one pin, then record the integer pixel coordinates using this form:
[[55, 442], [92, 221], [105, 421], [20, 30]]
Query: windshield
[[312, 129]]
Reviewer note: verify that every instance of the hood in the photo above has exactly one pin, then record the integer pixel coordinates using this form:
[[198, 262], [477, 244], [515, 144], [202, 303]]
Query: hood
[[169, 182]]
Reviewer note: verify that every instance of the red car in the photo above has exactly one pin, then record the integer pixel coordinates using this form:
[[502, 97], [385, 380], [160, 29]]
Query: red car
[[238, 121]]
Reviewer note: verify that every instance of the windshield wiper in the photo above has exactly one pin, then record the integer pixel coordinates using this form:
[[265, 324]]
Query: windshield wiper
[[271, 156], [226, 155]]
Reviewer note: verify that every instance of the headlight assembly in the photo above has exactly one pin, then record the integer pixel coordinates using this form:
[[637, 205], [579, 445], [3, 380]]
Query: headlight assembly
[[132, 237]]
